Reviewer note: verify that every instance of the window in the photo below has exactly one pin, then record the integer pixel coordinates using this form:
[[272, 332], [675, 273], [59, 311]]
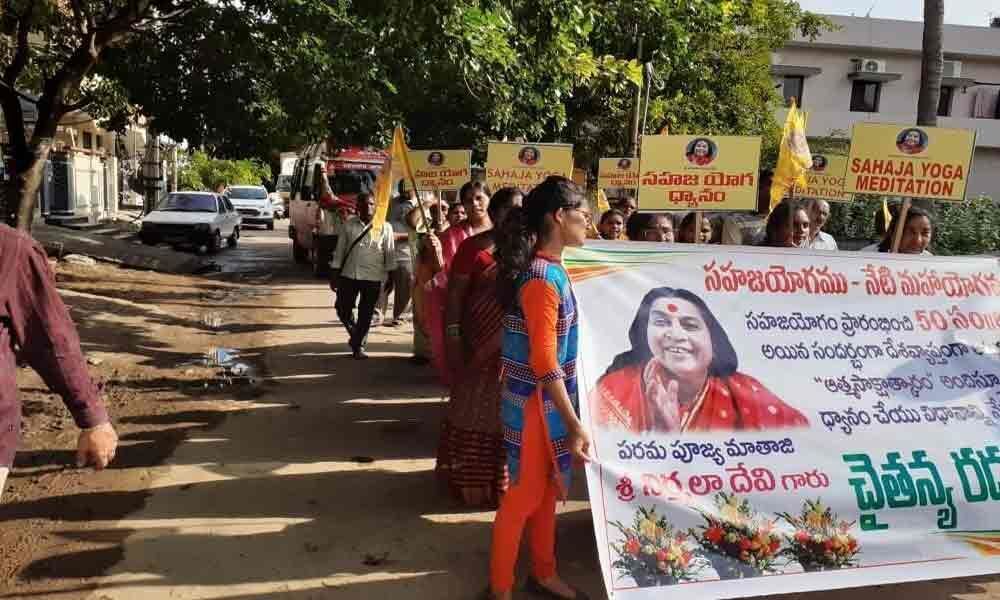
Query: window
[[944, 104], [88, 140], [791, 87], [865, 96], [100, 142]]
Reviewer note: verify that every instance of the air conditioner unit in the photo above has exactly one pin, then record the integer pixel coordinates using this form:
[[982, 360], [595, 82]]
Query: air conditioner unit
[[869, 65], [952, 68]]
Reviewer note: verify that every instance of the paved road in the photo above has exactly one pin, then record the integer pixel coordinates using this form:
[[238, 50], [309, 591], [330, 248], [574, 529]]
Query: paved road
[[260, 252]]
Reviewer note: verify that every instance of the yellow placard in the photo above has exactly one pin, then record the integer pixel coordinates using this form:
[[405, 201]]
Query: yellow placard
[[440, 169], [622, 172], [826, 178], [907, 160], [699, 172], [526, 165]]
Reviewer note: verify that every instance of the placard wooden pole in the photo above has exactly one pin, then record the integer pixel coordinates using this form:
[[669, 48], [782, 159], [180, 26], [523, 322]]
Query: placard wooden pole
[[697, 226], [900, 223]]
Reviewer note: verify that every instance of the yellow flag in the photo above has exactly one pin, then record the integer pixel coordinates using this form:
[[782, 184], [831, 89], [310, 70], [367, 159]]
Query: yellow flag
[[794, 157], [603, 205], [886, 215], [399, 162]]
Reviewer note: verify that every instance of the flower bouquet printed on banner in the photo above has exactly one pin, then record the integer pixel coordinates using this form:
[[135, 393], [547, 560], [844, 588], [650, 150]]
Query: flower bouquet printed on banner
[[739, 542], [821, 540], [653, 552]]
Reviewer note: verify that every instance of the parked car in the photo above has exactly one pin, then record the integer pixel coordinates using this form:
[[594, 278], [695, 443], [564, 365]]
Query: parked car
[[253, 203], [198, 219]]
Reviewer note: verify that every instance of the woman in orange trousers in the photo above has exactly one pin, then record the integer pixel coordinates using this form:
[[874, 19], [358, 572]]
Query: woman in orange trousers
[[542, 432]]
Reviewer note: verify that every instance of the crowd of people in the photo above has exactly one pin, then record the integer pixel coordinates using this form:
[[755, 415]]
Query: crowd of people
[[494, 314]]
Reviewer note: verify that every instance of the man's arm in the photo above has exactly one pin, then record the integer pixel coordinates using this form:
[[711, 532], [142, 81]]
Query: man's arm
[[48, 341]]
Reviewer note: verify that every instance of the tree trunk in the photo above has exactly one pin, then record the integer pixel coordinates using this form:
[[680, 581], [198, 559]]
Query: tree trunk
[[29, 180], [152, 173], [931, 70], [932, 65]]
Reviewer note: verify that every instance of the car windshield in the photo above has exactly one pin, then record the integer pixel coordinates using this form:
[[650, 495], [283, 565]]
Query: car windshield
[[284, 183], [351, 181], [247, 193], [189, 203]]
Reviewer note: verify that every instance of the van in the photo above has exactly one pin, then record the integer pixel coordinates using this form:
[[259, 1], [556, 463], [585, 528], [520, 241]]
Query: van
[[350, 171]]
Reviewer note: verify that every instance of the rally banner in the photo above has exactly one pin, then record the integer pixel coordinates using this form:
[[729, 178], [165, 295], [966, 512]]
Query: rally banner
[[699, 172], [904, 160], [775, 421], [825, 178], [440, 169], [620, 172], [526, 165]]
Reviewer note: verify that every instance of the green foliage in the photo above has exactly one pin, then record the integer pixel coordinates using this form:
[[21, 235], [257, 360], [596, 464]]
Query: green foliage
[[203, 173], [960, 228], [255, 77]]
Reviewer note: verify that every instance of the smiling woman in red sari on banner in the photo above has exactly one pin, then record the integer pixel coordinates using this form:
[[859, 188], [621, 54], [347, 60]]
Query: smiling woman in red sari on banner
[[681, 375]]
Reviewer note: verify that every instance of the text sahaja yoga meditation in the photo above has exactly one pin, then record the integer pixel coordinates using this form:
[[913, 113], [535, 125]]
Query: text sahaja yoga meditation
[[906, 177]]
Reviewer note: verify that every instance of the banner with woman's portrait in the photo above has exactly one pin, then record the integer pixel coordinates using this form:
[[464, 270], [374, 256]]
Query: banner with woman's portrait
[[621, 172], [772, 421], [825, 178]]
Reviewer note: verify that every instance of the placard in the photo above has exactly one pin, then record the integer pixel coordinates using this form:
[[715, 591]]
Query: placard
[[907, 160], [526, 165], [621, 172], [699, 172], [826, 178], [440, 169]]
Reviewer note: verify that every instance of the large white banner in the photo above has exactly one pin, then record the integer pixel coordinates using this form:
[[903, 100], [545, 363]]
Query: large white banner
[[773, 421]]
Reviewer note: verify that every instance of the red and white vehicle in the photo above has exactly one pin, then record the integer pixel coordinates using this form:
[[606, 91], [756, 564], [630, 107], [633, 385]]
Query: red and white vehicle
[[350, 171]]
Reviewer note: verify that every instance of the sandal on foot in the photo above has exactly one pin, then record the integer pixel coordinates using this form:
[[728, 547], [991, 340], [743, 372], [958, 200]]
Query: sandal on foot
[[536, 588]]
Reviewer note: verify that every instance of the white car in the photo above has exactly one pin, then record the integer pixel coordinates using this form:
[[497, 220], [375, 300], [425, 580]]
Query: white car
[[253, 203], [198, 219]]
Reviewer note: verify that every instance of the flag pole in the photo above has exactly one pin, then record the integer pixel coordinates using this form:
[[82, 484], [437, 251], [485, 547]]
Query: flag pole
[[900, 221]]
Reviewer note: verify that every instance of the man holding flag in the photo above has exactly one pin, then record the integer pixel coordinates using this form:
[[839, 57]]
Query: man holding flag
[[366, 252], [794, 157]]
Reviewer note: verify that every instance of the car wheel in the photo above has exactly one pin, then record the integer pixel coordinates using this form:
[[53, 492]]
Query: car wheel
[[215, 244], [270, 225], [299, 253], [234, 239]]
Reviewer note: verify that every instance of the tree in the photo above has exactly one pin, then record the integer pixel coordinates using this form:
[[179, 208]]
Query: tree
[[52, 46], [204, 173], [931, 64], [712, 69]]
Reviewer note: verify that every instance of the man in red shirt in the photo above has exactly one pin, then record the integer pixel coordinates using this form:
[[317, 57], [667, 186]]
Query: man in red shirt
[[36, 328]]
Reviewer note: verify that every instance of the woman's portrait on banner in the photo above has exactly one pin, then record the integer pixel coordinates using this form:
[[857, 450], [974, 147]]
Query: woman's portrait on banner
[[682, 374]]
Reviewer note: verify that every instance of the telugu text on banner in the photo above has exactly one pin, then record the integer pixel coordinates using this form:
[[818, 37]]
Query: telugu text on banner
[[526, 165], [699, 172], [776, 421], [440, 169], [825, 178], [622, 172], [907, 160]]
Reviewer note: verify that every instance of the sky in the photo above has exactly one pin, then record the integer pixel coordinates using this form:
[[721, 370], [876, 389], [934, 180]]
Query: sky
[[956, 12]]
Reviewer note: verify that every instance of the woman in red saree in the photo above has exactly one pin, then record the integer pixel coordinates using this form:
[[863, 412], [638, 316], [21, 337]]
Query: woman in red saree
[[681, 375], [471, 458], [475, 198]]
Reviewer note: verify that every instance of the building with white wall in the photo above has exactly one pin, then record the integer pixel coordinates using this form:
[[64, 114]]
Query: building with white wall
[[869, 70]]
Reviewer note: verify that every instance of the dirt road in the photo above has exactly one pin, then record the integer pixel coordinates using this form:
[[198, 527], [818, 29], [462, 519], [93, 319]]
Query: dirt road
[[320, 487]]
